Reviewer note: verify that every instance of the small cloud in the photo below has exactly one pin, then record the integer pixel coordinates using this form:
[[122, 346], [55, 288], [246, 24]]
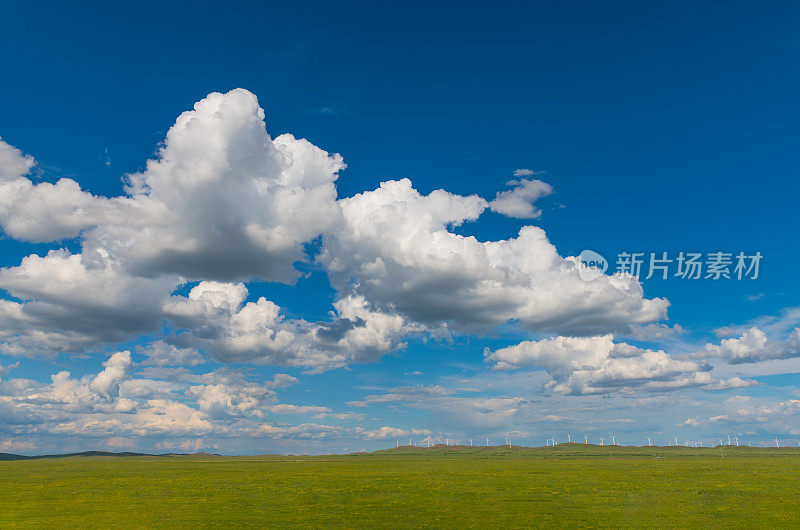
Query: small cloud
[[10, 445], [5, 369], [518, 201], [656, 332], [755, 297], [523, 172], [115, 443]]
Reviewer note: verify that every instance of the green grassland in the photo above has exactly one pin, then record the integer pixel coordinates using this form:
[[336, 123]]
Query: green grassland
[[571, 485]]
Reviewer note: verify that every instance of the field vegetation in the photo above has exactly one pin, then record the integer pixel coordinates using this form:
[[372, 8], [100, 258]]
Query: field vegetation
[[570, 485]]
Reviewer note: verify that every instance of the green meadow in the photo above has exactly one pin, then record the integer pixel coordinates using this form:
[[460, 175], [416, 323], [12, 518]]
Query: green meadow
[[571, 485]]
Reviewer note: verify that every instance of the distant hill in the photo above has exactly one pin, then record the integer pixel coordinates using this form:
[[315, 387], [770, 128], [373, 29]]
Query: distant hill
[[9, 456]]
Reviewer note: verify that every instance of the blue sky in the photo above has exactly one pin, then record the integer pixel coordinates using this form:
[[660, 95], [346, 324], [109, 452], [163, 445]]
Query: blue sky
[[657, 128]]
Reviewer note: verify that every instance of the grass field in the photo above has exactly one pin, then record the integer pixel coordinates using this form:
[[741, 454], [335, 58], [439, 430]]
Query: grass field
[[571, 485]]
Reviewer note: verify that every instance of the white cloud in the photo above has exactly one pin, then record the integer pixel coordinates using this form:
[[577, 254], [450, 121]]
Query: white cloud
[[49, 212], [518, 202], [221, 324], [304, 431], [13, 164], [385, 433], [754, 346], [15, 446], [396, 251], [656, 332], [159, 353], [598, 365], [283, 408], [523, 172], [116, 402], [117, 369], [4, 370], [222, 201], [73, 302], [448, 406], [763, 414]]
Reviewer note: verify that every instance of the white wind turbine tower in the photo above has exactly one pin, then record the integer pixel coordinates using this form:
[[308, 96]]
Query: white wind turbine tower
[[613, 440], [601, 440], [729, 439], [470, 442], [487, 441], [736, 439], [585, 439], [648, 442], [676, 441], [777, 443], [569, 438]]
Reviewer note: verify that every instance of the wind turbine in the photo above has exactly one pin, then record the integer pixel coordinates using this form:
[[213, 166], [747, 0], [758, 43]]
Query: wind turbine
[[569, 438], [487, 442], [613, 440], [649, 443], [601, 440], [736, 439], [777, 443], [676, 441], [729, 439], [470, 442], [585, 439]]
